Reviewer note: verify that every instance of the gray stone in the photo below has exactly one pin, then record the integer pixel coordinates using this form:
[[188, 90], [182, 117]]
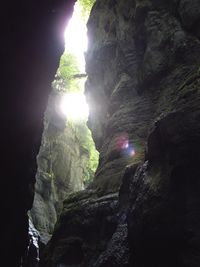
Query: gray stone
[[62, 166]]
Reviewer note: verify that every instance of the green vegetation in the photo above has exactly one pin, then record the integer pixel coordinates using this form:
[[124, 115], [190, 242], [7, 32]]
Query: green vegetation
[[86, 143], [66, 82], [86, 6], [64, 79]]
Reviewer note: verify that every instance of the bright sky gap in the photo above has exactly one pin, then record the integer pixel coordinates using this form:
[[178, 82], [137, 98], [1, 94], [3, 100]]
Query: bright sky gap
[[76, 37], [73, 105]]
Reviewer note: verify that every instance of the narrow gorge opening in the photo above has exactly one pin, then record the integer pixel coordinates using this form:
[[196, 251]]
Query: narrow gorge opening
[[67, 159], [143, 86]]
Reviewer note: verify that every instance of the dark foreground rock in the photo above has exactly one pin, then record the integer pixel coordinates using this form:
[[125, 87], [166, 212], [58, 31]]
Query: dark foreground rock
[[31, 46], [163, 219], [85, 226]]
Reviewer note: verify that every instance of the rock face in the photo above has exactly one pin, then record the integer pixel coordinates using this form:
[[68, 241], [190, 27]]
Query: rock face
[[76, 238], [141, 63], [163, 219], [143, 88], [32, 43], [61, 164], [32, 255]]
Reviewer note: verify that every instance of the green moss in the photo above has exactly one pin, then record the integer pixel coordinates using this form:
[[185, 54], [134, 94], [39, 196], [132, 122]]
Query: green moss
[[86, 6]]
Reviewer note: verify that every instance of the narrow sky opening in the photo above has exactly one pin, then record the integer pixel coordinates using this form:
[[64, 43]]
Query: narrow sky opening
[[76, 36], [73, 105]]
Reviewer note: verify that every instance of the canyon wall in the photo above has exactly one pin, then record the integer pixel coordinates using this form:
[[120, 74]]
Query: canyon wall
[[140, 55], [142, 208], [62, 167], [31, 46]]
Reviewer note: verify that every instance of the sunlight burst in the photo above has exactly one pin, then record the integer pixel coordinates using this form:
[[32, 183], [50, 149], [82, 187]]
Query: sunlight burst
[[74, 107]]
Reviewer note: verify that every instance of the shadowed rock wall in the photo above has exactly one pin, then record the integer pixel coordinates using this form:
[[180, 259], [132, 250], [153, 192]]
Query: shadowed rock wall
[[143, 89], [62, 165], [141, 57], [31, 46]]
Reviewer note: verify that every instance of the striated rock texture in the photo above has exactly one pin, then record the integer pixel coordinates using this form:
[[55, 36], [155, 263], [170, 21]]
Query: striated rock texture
[[143, 88], [62, 163], [142, 64], [31, 46]]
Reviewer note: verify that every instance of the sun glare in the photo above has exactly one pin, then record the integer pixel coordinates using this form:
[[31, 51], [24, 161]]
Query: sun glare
[[73, 104], [76, 36], [74, 107]]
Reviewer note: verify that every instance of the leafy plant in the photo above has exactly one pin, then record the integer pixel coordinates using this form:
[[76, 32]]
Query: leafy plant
[[86, 142], [86, 6], [64, 79]]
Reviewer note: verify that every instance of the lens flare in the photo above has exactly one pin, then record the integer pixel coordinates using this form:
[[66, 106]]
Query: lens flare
[[123, 145], [122, 142], [132, 152]]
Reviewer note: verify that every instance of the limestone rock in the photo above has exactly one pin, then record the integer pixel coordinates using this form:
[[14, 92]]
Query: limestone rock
[[61, 169]]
